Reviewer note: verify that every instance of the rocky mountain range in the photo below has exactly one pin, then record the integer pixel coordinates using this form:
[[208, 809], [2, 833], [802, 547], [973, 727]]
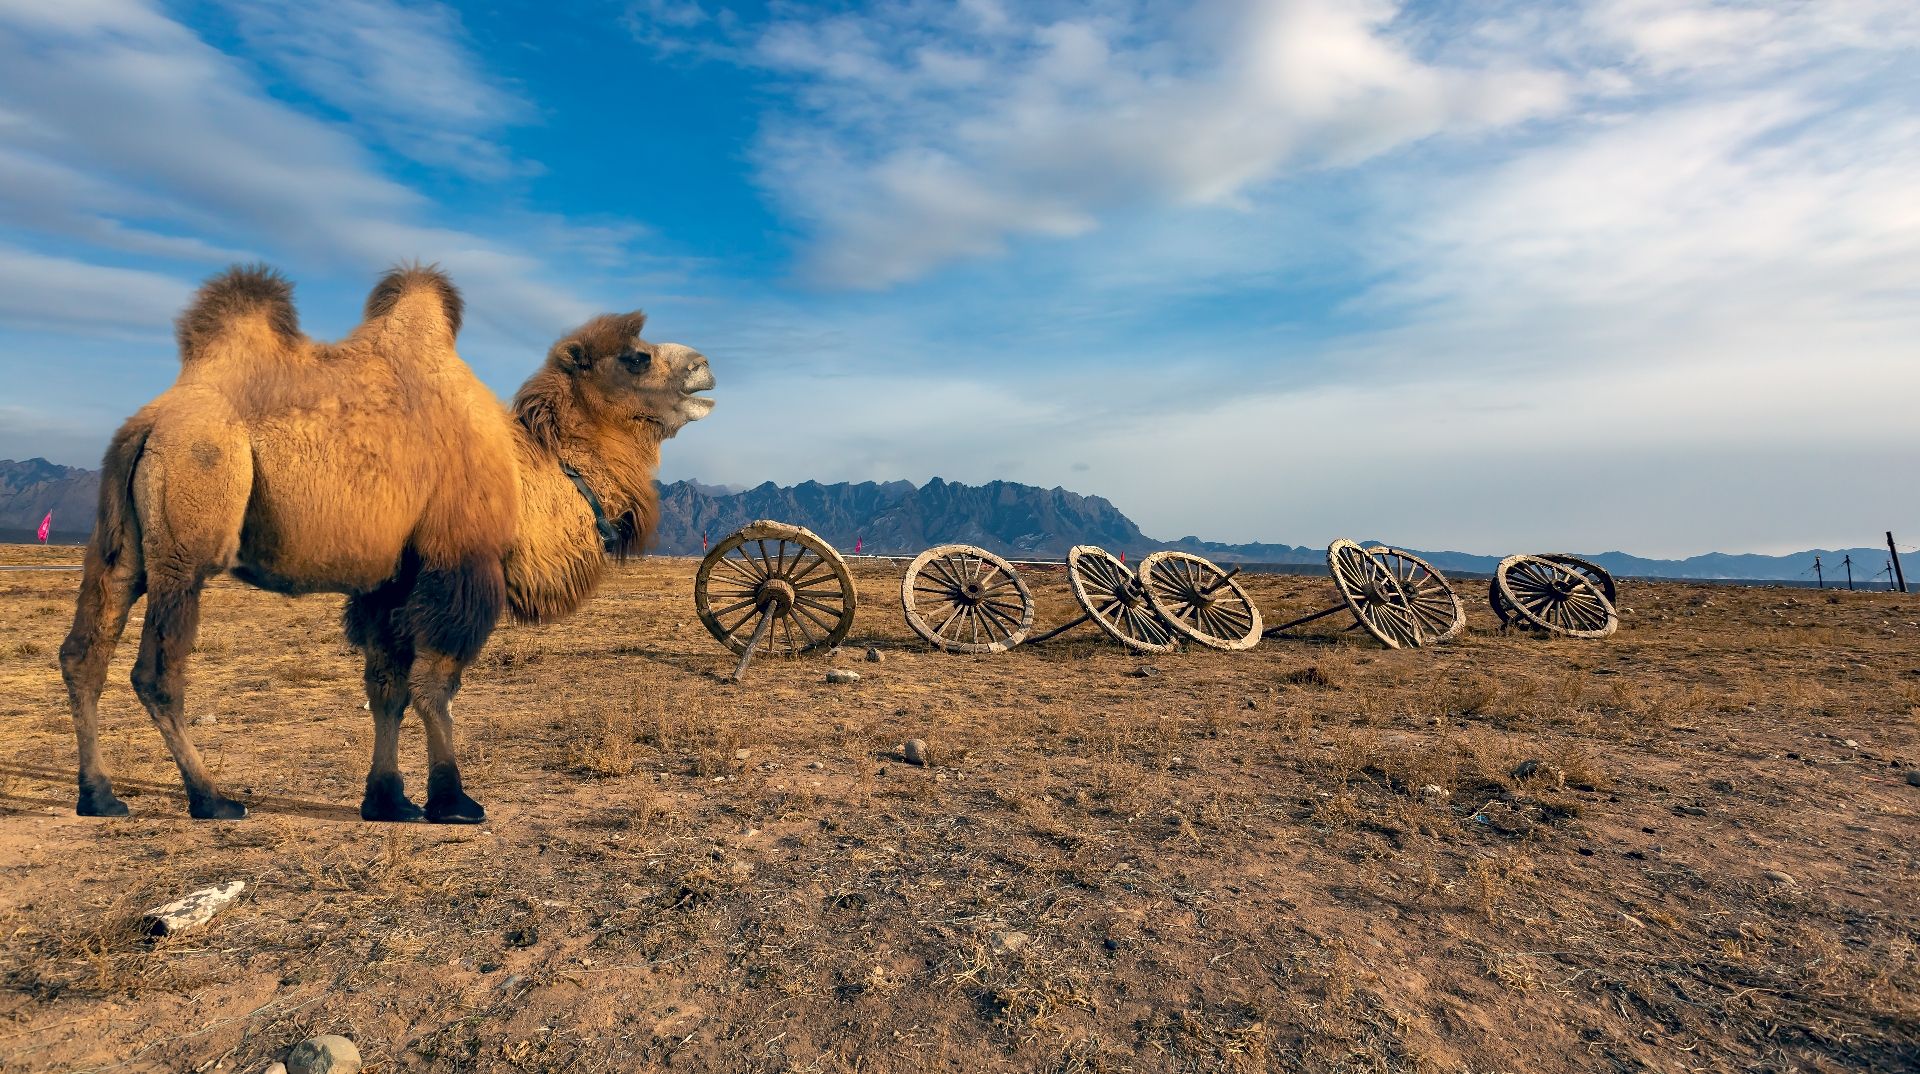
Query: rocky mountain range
[[894, 517]]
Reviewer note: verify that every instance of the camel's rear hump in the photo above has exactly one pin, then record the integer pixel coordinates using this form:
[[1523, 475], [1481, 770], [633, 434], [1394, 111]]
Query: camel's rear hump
[[417, 301], [243, 310]]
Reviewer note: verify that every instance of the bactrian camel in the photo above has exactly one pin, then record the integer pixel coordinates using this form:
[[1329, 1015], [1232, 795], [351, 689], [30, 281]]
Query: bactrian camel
[[379, 467]]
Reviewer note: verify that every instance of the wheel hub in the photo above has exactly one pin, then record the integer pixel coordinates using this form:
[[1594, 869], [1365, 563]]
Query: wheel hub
[[775, 595]]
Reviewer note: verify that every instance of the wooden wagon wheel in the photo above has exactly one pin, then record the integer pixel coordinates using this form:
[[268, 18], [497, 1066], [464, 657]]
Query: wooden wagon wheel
[[1110, 593], [1200, 601], [1442, 616], [1554, 597], [964, 599], [774, 587], [1373, 595]]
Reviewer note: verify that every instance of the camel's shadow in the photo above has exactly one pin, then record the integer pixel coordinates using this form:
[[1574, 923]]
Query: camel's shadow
[[259, 803]]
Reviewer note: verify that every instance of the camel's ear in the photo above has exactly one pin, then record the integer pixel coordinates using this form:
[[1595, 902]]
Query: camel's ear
[[571, 355]]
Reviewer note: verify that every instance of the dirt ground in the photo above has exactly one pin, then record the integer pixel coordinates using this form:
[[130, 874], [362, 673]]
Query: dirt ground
[[1315, 856]]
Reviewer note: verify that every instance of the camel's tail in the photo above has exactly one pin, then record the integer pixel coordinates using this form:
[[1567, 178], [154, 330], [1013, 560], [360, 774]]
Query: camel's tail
[[251, 305], [116, 528], [417, 299]]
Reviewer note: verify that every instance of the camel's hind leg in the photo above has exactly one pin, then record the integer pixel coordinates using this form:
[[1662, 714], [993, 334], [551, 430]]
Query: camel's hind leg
[[191, 490], [389, 655], [110, 583]]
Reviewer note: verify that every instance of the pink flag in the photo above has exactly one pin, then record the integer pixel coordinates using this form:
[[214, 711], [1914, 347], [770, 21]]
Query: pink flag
[[857, 542], [45, 525]]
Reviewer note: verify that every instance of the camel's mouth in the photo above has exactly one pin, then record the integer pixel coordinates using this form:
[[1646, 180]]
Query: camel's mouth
[[694, 406]]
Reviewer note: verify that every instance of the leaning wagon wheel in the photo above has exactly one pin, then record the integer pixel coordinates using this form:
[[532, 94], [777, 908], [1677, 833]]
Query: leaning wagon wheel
[[1200, 601], [774, 587], [1114, 598], [1442, 616], [966, 600], [1554, 597], [1373, 595]]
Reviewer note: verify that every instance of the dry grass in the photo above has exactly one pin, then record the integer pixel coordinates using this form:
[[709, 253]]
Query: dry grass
[[1509, 853]]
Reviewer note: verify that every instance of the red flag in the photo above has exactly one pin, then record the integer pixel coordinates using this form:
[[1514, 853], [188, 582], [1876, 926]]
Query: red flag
[[703, 540], [45, 525], [857, 542], [1123, 557]]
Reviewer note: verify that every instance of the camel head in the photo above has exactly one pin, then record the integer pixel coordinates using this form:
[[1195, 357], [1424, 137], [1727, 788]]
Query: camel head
[[619, 377]]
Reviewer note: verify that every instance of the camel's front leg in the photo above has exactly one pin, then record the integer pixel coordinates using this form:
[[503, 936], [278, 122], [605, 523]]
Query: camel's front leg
[[452, 611], [435, 678]]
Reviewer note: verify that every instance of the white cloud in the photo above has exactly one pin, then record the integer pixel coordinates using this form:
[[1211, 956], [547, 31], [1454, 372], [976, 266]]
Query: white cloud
[[927, 133], [130, 137], [401, 71]]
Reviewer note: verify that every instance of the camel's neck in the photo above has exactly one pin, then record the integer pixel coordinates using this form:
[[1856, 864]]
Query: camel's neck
[[558, 556]]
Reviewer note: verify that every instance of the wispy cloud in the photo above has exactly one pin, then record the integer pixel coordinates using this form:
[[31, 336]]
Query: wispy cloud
[[401, 71], [925, 133]]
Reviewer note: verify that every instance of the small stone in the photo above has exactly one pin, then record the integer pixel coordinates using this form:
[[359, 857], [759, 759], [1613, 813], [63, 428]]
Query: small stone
[[1722, 786], [875, 656], [741, 755], [916, 752], [324, 1054], [1778, 877], [816, 765], [842, 675], [1690, 810], [193, 910], [1433, 792], [522, 937], [1249, 703], [1525, 769], [1913, 777], [1006, 943], [205, 719], [1851, 744], [275, 1068], [1145, 671]]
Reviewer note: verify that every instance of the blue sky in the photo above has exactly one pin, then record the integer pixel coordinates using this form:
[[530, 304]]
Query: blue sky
[[1495, 277]]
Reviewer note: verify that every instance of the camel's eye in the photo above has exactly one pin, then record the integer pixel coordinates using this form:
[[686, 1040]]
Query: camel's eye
[[637, 361]]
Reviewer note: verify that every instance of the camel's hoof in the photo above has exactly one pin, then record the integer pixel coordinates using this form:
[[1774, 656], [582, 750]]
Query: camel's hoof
[[387, 801], [392, 811], [99, 804], [215, 809], [458, 809]]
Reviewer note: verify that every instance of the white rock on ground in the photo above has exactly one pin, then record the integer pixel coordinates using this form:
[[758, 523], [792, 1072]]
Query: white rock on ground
[[192, 911], [843, 675]]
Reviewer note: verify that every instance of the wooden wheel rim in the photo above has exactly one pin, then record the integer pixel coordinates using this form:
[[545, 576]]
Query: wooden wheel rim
[[1555, 597], [1500, 606], [786, 571], [1373, 595], [971, 590], [1595, 573], [1112, 596], [1199, 601], [1442, 616]]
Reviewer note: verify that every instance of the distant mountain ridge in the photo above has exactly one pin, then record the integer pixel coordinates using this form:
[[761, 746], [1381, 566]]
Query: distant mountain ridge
[[894, 517]]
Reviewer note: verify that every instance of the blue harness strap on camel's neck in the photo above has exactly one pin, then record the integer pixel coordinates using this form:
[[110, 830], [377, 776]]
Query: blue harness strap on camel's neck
[[609, 533]]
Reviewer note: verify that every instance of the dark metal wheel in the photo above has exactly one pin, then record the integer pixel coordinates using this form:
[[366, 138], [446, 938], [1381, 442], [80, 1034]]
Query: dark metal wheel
[[964, 599], [1110, 593], [1442, 616], [1552, 596], [1373, 595], [783, 574], [1200, 601]]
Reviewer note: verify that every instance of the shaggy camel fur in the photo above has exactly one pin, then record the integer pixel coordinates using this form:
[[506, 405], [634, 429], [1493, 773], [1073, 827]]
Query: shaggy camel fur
[[378, 467]]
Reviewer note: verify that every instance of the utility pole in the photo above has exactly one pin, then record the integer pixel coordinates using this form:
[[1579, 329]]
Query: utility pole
[[1818, 578], [1898, 574], [1848, 564]]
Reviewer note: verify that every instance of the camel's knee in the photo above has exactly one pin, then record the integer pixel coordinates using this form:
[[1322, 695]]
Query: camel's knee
[[156, 690]]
